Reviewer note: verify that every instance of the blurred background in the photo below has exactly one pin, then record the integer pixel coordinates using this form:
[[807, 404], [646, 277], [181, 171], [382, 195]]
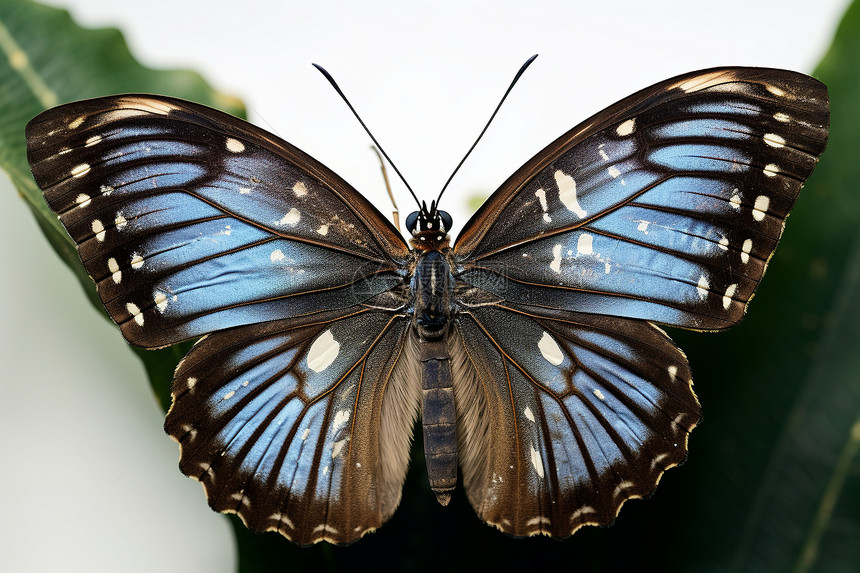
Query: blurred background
[[90, 479]]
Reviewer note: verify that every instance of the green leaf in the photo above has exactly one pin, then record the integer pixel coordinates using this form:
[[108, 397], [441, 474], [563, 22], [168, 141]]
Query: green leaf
[[45, 60]]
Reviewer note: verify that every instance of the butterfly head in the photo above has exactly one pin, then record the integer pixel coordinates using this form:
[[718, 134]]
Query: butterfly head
[[429, 228]]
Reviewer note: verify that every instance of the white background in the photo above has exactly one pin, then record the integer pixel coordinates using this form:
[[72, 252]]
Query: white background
[[89, 480]]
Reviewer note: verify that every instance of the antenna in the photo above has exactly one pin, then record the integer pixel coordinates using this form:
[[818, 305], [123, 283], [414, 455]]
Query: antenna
[[515, 80], [355, 113]]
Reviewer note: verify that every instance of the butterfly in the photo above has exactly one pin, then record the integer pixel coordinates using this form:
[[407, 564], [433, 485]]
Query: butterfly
[[529, 346]]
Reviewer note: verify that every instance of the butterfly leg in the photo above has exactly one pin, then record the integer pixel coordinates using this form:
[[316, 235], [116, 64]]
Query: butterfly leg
[[439, 418]]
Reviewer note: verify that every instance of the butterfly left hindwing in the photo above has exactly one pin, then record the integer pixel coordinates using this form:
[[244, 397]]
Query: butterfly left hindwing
[[324, 333]]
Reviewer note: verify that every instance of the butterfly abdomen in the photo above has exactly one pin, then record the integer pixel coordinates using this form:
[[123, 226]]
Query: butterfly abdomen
[[432, 288]]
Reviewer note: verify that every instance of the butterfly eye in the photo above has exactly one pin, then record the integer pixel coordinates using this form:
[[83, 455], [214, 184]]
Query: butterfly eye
[[446, 220], [412, 221]]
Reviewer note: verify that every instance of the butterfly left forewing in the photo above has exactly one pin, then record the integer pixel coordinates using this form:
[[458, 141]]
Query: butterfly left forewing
[[666, 206], [191, 220], [562, 420], [300, 426]]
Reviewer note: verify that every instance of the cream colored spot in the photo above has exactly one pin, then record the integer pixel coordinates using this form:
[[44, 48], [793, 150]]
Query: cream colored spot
[[323, 230], [76, 123], [160, 301], [567, 193], [228, 395], [673, 372], [340, 419], [762, 202], [191, 383], [555, 264], [724, 244], [771, 169], [529, 414], [779, 116], [94, 140], [614, 172], [584, 245], [244, 190], [291, 218], [323, 352], [106, 189], [305, 434], [774, 140], [299, 189], [550, 349], [619, 489], [99, 230], [599, 394], [235, 146], [626, 128], [113, 267], [120, 221], [727, 298], [775, 91], [541, 195], [136, 261], [735, 201], [746, 248], [642, 226], [703, 287], [537, 462], [277, 255], [80, 170], [135, 313], [83, 200], [336, 448], [602, 153]]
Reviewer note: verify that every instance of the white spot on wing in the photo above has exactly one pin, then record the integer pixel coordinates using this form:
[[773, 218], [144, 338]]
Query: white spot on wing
[[541, 195], [323, 230], [291, 218], [779, 92], [537, 462], [323, 352], [599, 394], [113, 267], [529, 414], [774, 140], [228, 395], [305, 434], [746, 248], [136, 261], [703, 287], [779, 116], [727, 298], [735, 201], [76, 123], [336, 447], [135, 313], [724, 244], [771, 169], [99, 230], [94, 140], [340, 419], [626, 128], [300, 189], [613, 172], [120, 221], [160, 301], [235, 146], [550, 349], [762, 202], [83, 200], [80, 170], [277, 255], [642, 226], [673, 372], [567, 193], [555, 264], [584, 245]]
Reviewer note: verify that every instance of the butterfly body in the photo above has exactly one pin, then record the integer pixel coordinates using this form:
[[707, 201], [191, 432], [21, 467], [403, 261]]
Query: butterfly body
[[529, 346]]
